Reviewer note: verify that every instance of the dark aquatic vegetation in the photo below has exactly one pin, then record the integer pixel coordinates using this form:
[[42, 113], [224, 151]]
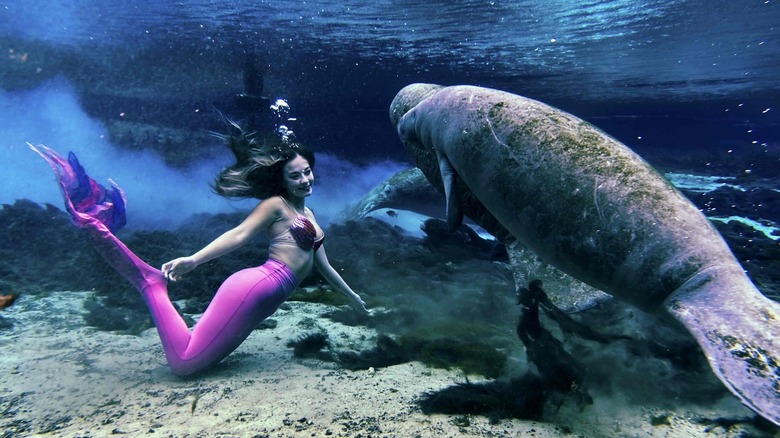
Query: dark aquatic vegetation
[[521, 397], [309, 345]]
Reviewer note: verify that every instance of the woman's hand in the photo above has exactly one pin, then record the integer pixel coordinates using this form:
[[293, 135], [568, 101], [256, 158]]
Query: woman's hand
[[360, 305], [174, 269]]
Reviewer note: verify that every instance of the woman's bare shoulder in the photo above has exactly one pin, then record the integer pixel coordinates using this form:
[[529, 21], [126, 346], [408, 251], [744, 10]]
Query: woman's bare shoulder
[[275, 202], [273, 206]]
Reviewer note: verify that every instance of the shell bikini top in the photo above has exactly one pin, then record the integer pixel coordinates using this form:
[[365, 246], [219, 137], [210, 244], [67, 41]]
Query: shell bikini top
[[302, 233]]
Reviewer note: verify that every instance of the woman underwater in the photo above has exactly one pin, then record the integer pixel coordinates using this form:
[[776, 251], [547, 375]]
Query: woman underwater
[[282, 177]]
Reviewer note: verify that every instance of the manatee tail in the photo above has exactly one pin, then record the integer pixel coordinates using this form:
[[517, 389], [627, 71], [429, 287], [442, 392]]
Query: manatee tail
[[739, 330], [102, 213]]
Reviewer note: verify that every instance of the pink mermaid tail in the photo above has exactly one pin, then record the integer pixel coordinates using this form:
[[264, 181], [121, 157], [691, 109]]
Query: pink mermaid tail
[[99, 211], [85, 199], [241, 303]]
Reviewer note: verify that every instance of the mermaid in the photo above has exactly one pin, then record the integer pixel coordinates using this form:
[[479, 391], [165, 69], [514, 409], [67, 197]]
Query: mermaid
[[281, 177]]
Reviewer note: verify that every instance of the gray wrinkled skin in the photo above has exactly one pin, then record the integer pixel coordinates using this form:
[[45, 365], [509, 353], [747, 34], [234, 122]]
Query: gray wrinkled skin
[[588, 205]]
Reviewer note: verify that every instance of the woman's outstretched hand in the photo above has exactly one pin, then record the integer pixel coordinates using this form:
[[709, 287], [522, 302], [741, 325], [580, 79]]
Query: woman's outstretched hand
[[174, 269], [360, 305]]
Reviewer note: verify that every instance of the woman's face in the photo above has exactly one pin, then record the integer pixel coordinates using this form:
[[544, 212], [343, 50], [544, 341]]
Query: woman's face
[[298, 177]]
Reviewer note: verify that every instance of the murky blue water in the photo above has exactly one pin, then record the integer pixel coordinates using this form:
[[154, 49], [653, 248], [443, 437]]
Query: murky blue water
[[696, 60], [689, 49]]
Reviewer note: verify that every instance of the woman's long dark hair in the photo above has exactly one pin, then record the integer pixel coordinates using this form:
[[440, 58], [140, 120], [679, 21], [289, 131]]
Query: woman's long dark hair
[[258, 170]]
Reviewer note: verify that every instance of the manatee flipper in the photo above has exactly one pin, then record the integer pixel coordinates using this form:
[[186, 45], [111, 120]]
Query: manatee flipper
[[739, 333], [407, 130], [450, 179]]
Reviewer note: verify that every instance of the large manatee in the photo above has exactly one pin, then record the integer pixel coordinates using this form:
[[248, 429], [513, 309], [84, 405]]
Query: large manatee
[[588, 205]]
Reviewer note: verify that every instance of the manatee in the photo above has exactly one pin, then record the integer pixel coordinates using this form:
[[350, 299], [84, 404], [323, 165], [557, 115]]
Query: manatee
[[588, 205]]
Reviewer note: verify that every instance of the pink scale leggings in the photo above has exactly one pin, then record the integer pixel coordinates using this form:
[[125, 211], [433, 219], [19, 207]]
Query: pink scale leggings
[[244, 300]]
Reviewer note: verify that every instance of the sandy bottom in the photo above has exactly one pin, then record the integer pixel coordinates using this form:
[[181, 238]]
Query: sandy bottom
[[62, 378]]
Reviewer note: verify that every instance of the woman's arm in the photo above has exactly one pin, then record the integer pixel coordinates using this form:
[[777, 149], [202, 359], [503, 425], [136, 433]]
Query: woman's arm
[[335, 280], [266, 213]]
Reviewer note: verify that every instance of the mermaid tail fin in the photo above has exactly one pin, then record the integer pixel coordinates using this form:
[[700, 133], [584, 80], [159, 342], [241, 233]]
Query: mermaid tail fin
[[101, 212], [86, 201]]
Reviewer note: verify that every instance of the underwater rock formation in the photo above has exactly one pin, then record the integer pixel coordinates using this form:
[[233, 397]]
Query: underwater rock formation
[[407, 189]]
